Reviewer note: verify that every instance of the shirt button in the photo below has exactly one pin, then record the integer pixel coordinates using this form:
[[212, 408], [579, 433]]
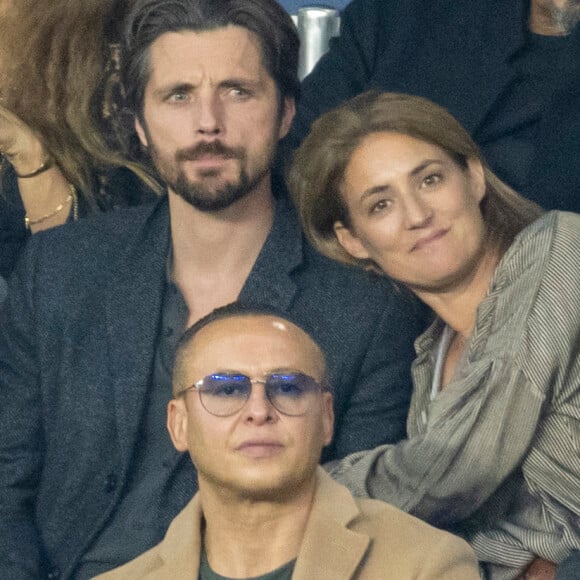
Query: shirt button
[[53, 574], [110, 483]]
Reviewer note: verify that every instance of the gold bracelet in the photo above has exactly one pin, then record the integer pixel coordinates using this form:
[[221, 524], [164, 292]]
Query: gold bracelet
[[72, 196], [46, 165]]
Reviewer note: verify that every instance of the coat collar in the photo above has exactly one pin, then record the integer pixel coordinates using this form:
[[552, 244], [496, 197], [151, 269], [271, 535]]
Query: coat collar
[[329, 548], [180, 551]]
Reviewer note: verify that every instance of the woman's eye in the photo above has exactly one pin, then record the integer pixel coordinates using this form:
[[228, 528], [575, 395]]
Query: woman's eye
[[432, 179]]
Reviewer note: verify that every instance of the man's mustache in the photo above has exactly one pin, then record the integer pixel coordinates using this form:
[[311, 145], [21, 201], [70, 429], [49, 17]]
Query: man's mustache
[[209, 148]]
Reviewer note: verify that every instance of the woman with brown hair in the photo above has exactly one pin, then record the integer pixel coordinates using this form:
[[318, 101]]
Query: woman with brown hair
[[63, 154], [394, 183]]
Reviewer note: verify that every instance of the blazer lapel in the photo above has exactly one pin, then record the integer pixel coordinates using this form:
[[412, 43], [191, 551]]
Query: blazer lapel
[[270, 280], [133, 311], [329, 548]]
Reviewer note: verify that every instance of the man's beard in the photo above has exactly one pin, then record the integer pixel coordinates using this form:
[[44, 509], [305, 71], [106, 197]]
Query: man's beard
[[205, 196], [566, 16]]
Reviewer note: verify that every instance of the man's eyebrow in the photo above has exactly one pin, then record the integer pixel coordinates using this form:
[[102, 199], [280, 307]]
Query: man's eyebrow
[[285, 370], [173, 88], [241, 82]]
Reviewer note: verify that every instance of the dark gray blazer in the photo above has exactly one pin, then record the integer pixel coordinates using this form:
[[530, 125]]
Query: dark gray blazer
[[77, 338]]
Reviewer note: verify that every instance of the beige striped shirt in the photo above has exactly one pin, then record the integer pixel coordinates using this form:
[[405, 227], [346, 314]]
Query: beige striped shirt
[[496, 454]]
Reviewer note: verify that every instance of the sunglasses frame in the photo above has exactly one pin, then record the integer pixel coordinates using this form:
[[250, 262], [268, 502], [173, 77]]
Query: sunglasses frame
[[199, 387]]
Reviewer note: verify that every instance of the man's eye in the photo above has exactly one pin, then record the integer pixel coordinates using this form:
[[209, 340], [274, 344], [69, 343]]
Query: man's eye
[[380, 206], [229, 390], [239, 93], [290, 389], [177, 97]]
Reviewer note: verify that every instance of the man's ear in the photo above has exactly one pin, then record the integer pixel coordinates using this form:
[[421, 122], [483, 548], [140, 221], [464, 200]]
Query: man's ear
[[327, 417], [177, 423], [351, 243], [288, 112], [142, 134]]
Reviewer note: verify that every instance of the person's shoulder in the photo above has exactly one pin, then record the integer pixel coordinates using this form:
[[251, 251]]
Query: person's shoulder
[[376, 518], [558, 233], [343, 273], [554, 233], [352, 285], [384, 520], [566, 226], [97, 232], [87, 250], [122, 220], [174, 557]]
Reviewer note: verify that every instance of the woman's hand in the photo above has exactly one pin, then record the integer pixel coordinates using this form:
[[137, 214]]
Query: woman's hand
[[540, 570], [19, 144]]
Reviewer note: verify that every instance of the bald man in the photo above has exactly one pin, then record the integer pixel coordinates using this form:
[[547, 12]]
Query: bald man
[[253, 407]]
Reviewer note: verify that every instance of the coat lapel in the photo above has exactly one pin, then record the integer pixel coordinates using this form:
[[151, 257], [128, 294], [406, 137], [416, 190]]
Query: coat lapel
[[270, 280], [135, 295], [180, 551], [329, 548]]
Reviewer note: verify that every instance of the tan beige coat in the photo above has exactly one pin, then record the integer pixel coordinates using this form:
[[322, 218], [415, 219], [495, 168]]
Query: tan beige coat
[[344, 539]]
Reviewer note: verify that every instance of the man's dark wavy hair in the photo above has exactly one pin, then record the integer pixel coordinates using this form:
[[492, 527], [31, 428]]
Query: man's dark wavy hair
[[266, 19]]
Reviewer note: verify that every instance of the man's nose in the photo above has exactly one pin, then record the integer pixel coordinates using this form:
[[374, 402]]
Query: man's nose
[[210, 114], [258, 408]]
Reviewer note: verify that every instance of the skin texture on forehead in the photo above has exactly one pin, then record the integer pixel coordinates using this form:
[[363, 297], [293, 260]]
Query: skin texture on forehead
[[264, 328]]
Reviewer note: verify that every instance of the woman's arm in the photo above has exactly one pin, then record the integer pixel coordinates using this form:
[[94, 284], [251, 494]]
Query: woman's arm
[[478, 433]]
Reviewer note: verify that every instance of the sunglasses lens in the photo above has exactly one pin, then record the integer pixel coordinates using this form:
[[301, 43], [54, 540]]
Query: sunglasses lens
[[224, 394], [291, 394]]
